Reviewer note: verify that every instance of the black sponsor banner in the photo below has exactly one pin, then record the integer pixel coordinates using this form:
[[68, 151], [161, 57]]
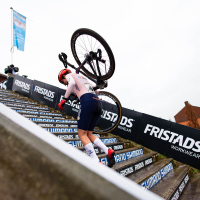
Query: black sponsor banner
[[22, 85], [173, 140], [7, 84], [70, 107], [145, 138], [44, 93], [184, 144], [170, 139], [128, 126], [108, 116]]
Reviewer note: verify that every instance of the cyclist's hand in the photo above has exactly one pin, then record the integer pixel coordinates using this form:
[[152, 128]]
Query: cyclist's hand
[[61, 104]]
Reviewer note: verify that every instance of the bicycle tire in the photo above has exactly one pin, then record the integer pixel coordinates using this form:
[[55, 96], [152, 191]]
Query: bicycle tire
[[110, 106], [80, 36]]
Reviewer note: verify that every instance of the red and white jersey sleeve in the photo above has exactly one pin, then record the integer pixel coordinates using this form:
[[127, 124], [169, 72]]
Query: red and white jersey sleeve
[[78, 84]]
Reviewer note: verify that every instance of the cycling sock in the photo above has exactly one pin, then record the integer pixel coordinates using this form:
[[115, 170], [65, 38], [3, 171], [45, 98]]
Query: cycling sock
[[101, 145], [90, 150]]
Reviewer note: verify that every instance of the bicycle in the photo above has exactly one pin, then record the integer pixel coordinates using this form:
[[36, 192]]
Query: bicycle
[[96, 61]]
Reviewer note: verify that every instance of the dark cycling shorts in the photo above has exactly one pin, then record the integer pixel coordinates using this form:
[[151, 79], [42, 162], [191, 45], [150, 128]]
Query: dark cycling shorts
[[90, 112]]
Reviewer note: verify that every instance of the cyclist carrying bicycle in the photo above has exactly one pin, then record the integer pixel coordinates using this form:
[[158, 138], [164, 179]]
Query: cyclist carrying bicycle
[[89, 113]]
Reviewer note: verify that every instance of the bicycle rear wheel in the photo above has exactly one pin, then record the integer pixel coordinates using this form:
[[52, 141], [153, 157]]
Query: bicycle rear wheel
[[84, 41], [111, 113]]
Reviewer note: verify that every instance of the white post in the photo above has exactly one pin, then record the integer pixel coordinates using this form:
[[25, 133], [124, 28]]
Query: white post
[[12, 47]]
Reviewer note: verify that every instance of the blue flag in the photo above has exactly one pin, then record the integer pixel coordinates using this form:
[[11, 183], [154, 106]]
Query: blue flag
[[19, 30]]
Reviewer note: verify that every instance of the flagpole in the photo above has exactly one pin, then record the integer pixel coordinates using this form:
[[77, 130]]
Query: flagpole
[[12, 47]]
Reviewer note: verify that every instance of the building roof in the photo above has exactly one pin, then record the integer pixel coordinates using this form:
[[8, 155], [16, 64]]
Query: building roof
[[3, 75], [181, 116]]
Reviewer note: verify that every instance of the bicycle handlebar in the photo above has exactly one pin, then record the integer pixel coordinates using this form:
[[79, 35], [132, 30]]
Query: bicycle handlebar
[[100, 84]]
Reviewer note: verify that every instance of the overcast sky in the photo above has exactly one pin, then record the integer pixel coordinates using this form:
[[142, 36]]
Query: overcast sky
[[156, 44]]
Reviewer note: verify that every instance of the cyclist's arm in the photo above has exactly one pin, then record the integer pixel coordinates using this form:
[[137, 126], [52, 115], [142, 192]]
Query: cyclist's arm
[[70, 87]]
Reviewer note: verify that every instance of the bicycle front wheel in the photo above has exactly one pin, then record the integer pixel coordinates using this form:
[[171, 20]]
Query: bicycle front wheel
[[84, 41], [111, 113]]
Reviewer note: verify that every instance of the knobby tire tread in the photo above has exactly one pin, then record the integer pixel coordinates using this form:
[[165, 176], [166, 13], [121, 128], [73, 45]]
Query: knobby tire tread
[[119, 115], [81, 31]]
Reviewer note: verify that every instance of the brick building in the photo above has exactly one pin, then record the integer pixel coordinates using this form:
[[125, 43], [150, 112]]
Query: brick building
[[181, 116], [2, 77]]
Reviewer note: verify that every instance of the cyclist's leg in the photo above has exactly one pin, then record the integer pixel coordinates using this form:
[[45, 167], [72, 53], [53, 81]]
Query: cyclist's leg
[[109, 152], [87, 144], [91, 136], [84, 118], [93, 123], [97, 142], [82, 134]]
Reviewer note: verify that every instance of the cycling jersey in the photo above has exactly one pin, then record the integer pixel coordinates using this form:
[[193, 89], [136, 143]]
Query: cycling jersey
[[91, 107], [78, 84]]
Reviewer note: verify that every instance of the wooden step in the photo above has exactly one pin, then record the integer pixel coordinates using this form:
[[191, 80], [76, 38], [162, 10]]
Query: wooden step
[[152, 174], [9, 95], [27, 109], [122, 155], [115, 146], [76, 142], [17, 101], [167, 187], [6, 91], [25, 106], [192, 189], [133, 165], [31, 116], [57, 125], [39, 113], [54, 121], [13, 96]]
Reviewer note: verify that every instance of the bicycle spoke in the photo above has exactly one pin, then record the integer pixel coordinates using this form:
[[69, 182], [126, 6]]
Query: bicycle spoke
[[82, 47], [84, 43], [94, 45], [89, 43]]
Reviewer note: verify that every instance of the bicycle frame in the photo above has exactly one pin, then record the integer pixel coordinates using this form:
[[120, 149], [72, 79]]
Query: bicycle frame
[[89, 58]]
